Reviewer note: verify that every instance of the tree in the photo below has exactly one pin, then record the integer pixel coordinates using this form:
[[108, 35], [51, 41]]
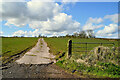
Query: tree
[[90, 34], [15, 36], [75, 34], [67, 35], [39, 35], [82, 34], [22, 36], [54, 36]]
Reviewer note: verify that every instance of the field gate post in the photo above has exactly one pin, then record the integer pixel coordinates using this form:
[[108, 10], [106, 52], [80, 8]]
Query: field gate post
[[86, 48], [69, 54]]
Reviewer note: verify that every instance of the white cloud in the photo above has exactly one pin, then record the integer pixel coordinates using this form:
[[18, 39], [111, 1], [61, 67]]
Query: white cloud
[[69, 0], [22, 13], [65, 2], [14, 13], [20, 33], [113, 17], [60, 23], [90, 26], [108, 31], [103, 35], [94, 20], [26, 33], [46, 17], [92, 23], [1, 32], [12, 0], [17, 22], [36, 32], [112, 28], [28, 0], [42, 10]]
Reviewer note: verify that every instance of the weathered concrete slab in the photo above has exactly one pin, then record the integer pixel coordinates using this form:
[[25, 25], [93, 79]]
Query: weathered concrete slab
[[37, 55]]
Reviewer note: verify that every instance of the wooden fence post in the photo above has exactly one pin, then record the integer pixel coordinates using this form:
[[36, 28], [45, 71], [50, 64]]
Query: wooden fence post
[[69, 54]]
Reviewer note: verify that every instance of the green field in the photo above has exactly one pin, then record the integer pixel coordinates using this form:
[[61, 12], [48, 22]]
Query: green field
[[103, 68], [12, 46], [60, 44]]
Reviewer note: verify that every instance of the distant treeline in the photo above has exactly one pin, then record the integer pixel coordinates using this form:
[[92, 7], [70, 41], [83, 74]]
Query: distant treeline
[[80, 34]]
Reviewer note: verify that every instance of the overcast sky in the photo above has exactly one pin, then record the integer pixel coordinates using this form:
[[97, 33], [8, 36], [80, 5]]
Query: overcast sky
[[58, 18]]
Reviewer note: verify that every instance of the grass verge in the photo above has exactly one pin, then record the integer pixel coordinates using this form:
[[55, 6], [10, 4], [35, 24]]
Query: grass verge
[[12, 47], [58, 46]]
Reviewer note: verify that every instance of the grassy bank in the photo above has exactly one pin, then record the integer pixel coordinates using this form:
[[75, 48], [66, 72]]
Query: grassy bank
[[12, 46], [58, 46]]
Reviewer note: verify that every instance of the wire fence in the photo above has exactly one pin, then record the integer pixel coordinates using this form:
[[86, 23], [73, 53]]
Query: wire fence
[[85, 47]]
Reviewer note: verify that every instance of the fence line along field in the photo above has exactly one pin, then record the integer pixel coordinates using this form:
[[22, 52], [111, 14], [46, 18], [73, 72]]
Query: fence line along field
[[98, 65], [60, 44], [12, 46]]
